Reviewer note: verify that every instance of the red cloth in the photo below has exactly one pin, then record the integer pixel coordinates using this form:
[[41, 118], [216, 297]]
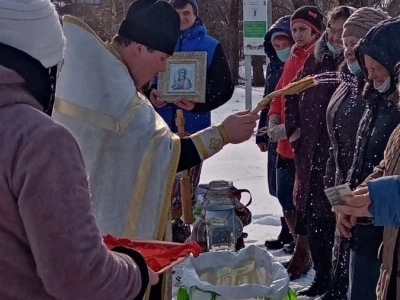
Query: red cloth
[[157, 255], [292, 66]]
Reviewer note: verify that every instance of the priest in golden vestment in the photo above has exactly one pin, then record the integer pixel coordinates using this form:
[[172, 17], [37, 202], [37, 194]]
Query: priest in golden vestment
[[130, 154]]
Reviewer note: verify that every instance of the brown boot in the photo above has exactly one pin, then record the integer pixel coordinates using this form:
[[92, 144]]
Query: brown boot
[[301, 261], [290, 217]]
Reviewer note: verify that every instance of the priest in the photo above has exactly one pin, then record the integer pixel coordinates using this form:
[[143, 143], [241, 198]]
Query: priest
[[130, 153]]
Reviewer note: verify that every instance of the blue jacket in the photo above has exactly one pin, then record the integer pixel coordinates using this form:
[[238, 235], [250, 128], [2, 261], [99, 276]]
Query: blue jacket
[[274, 68], [385, 196], [219, 86]]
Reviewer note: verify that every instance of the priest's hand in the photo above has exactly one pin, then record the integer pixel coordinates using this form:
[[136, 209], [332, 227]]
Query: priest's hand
[[263, 147], [154, 95], [184, 104], [240, 126]]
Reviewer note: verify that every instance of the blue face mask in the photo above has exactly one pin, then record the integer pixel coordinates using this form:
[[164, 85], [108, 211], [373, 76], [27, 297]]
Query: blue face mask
[[354, 68], [384, 87], [335, 51], [283, 54]]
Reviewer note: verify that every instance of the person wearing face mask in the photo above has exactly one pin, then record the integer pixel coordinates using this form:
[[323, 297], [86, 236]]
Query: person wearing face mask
[[278, 42], [306, 25], [343, 116], [305, 123], [378, 197], [377, 55]]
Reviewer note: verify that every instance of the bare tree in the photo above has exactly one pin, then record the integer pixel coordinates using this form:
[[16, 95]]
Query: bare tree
[[257, 63], [360, 3], [234, 39], [299, 3], [223, 19]]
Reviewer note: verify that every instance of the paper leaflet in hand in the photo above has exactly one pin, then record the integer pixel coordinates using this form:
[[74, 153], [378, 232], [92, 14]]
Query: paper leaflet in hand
[[337, 193]]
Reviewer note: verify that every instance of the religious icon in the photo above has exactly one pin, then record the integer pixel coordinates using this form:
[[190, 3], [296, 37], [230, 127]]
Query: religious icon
[[184, 77]]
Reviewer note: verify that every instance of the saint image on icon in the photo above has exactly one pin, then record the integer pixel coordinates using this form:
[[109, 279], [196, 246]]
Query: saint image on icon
[[181, 82]]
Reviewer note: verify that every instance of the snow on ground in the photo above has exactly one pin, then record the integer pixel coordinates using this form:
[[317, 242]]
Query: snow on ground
[[245, 165]]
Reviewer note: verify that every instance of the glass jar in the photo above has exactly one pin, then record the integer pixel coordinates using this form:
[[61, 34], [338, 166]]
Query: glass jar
[[219, 192], [219, 236]]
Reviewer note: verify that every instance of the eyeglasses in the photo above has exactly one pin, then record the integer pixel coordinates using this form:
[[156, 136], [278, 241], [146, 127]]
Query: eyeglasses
[[333, 32]]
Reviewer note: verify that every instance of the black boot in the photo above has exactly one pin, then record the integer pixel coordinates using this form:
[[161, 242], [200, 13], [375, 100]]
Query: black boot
[[284, 237], [340, 277], [321, 237]]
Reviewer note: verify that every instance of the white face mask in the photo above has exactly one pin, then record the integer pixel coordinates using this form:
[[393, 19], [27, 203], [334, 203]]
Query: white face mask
[[384, 87]]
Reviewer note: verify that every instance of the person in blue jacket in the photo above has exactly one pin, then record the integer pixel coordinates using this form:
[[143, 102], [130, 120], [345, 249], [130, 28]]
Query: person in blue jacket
[[219, 83], [219, 89], [278, 42]]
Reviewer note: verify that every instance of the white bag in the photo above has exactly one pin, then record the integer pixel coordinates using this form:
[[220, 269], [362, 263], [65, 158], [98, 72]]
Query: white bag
[[251, 273]]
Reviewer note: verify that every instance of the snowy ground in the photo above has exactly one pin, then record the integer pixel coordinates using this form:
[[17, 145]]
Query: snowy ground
[[245, 165]]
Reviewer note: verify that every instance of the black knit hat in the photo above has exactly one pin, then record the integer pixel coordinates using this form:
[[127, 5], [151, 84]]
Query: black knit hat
[[309, 15], [152, 23], [181, 3]]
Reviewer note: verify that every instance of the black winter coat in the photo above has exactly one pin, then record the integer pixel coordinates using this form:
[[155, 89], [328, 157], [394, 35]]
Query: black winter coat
[[382, 114], [343, 117], [307, 112], [274, 72]]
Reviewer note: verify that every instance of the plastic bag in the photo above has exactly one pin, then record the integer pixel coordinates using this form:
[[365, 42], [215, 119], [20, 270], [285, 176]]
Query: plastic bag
[[251, 273]]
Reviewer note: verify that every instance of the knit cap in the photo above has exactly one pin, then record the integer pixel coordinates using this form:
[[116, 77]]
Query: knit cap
[[138, 25], [32, 26], [362, 20], [309, 15]]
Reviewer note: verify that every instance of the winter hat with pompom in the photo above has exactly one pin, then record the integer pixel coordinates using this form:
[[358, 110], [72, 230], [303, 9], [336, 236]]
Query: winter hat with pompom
[[362, 20], [32, 26]]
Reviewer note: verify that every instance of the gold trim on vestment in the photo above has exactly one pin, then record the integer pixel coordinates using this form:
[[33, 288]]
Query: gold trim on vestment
[[209, 141], [77, 22], [200, 146], [170, 183], [95, 118], [224, 134], [141, 184]]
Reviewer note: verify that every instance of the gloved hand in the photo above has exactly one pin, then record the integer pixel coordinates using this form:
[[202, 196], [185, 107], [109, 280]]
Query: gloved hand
[[276, 130]]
